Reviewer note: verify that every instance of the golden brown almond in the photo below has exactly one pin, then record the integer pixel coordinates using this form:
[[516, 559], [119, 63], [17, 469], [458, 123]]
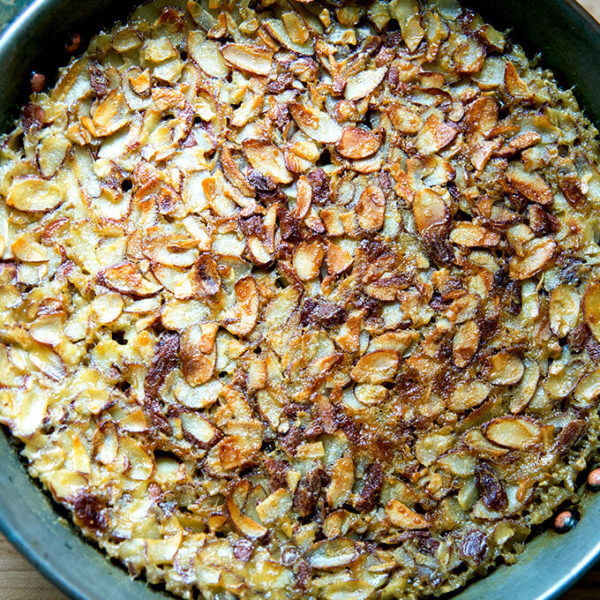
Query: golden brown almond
[[370, 209], [357, 143], [434, 135], [253, 59]]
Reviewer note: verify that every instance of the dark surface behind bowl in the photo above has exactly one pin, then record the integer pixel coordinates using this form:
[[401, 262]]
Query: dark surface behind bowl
[[570, 43]]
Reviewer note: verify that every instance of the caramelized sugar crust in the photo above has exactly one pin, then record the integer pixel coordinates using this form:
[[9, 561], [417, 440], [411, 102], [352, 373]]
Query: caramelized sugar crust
[[302, 300]]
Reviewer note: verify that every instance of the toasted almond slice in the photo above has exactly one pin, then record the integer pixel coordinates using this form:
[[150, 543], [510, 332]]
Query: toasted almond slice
[[28, 250], [403, 517], [236, 498], [51, 154], [481, 115], [370, 208], [513, 432], [107, 308], [405, 119], [434, 135], [126, 40], [110, 114], [591, 308], [267, 159], [475, 440], [338, 260], [254, 59], [364, 83], [357, 143], [482, 152], [233, 173], [531, 185], [342, 480], [307, 259], [465, 344], [430, 211], [197, 352], [162, 551], [296, 27], [587, 390], [171, 251], [127, 279], [332, 554], [198, 430], [48, 329], [370, 394], [564, 309], [473, 235], [207, 55], [468, 395], [303, 197], [376, 367], [279, 32], [34, 195], [246, 307], [505, 368], [315, 123], [275, 506], [537, 258], [514, 84]]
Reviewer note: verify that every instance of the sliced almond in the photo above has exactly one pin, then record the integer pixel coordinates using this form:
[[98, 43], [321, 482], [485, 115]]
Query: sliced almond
[[198, 430], [531, 185], [275, 506], [370, 208], [332, 554], [468, 395], [591, 308], [307, 259], [48, 329], [110, 115], [106, 308], [245, 312], [465, 344], [403, 517], [473, 235], [281, 32], [338, 260], [505, 368], [34, 195], [236, 498], [364, 83], [430, 211], [197, 353], [357, 143], [376, 367], [342, 480], [434, 135], [254, 59], [28, 250], [513, 432], [404, 119], [564, 309], [127, 278], [207, 55], [587, 390], [267, 159], [476, 441], [316, 124], [296, 27], [538, 256]]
